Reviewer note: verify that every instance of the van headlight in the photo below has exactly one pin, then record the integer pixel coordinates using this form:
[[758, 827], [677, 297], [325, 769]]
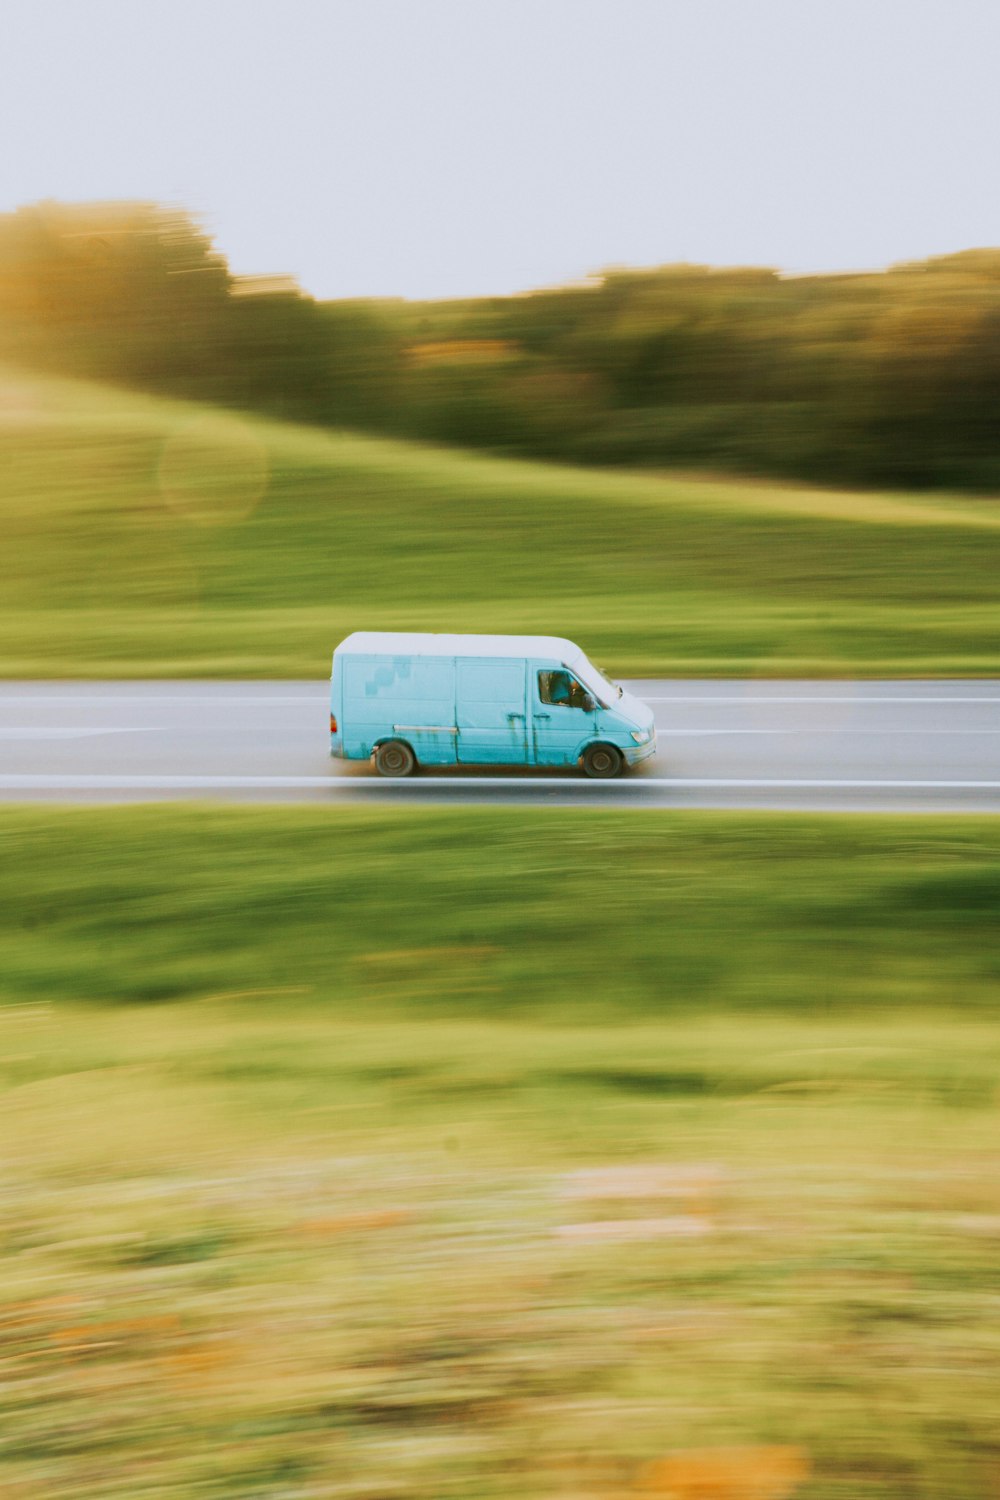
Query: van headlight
[[641, 735]]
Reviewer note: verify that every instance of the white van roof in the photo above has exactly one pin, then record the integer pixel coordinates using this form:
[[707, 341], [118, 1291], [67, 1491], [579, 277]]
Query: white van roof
[[392, 643]]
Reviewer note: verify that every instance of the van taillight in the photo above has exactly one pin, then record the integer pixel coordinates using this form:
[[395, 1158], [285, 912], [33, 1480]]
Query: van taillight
[[333, 724]]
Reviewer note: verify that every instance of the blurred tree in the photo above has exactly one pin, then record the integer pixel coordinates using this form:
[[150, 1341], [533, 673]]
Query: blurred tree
[[129, 290], [890, 378]]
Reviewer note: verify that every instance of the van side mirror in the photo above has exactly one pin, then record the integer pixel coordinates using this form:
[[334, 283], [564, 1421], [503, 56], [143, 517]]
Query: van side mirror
[[588, 704]]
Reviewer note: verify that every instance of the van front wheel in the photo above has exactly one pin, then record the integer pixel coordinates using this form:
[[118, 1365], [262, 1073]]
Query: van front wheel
[[394, 759], [602, 761]]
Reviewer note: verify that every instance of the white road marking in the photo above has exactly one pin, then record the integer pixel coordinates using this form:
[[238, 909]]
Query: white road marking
[[95, 782], [33, 733], [222, 700], [748, 697], [765, 781], [751, 699], [853, 731]]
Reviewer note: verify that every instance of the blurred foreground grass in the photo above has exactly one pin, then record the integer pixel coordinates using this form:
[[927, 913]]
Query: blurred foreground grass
[[486, 1154], [147, 537]]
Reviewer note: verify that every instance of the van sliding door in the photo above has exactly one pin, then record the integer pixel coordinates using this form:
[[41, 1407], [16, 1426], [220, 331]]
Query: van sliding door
[[491, 715]]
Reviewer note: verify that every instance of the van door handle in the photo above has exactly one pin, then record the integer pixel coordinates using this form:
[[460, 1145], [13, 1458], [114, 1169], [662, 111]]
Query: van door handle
[[512, 717], [543, 716]]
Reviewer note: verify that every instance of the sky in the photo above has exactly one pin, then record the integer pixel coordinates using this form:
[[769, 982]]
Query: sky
[[443, 148]]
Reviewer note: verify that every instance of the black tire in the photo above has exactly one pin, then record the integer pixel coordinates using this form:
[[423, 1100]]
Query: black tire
[[602, 761], [395, 758]]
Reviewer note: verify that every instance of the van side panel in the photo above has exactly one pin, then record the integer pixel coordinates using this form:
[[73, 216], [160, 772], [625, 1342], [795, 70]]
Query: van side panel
[[490, 711], [410, 698]]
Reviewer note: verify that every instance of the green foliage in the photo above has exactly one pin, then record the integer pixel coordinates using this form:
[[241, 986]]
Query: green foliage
[[152, 537], [889, 379], [135, 293], [126, 290]]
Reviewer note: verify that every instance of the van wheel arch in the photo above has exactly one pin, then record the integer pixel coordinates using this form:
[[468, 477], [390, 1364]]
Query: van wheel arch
[[602, 761], [394, 757]]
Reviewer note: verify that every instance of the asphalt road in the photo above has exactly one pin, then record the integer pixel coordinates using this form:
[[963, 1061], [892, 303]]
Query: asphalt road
[[863, 746]]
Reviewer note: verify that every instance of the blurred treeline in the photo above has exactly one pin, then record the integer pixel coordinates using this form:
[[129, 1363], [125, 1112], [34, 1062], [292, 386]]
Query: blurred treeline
[[890, 378]]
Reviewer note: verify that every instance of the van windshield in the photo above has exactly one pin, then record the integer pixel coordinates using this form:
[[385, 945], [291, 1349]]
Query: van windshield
[[596, 683]]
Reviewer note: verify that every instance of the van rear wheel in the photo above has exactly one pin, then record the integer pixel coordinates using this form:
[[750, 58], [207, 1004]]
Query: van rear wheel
[[394, 758], [602, 761]]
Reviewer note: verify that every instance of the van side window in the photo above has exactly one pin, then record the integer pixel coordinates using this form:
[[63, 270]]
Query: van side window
[[561, 689]]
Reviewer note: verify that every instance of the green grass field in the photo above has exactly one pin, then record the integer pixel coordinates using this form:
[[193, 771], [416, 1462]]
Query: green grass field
[[145, 537], [496, 1154]]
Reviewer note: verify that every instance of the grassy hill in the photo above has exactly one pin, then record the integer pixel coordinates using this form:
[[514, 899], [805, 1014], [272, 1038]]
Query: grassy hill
[[150, 537]]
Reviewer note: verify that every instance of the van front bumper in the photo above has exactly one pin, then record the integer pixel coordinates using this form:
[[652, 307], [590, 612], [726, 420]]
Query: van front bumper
[[635, 753]]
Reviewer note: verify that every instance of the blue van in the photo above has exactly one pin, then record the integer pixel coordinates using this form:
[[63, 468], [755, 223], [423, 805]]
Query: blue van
[[481, 700]]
